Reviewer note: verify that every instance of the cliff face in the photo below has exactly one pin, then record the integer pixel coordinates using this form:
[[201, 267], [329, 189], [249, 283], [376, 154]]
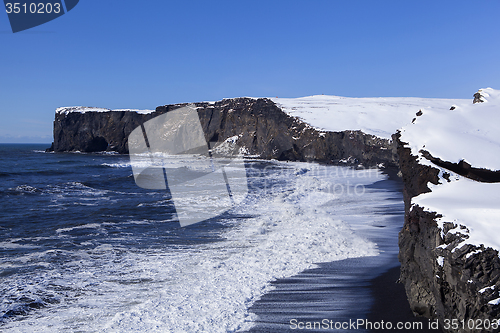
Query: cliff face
[[444, 277], [263, 129], [95, 131]]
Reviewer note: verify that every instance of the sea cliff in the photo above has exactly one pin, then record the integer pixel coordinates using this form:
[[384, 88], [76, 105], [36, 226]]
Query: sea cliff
[[450, 263], [263, 130]]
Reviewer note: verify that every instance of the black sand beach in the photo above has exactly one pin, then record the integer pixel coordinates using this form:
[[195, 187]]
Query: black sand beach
[[337, 296], [341, 293], [390, 303]]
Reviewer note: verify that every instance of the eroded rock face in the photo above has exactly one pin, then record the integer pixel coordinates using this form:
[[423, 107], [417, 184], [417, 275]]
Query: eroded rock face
[[442, 280], [261, 126], [95, 131]]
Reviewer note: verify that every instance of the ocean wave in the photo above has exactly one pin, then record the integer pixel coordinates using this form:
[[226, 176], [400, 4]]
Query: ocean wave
[[25, 305], [24, 189], [107, 153], [117, 165], [159, 203], [288, 226], [84, 226], [212, 290], [10, 245], [76, 189]]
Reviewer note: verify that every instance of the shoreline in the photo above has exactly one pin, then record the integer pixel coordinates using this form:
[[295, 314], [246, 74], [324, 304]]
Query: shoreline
[[347, 290], [389, 296]]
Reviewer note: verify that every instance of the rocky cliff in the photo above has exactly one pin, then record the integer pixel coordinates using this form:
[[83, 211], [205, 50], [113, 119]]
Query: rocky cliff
[[446, 272], [263, 130], [450, 291]]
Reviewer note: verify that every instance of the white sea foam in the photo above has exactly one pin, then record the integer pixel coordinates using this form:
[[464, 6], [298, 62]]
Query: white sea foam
[[14, 245], [209, 287], [118, 165], [84, 226]]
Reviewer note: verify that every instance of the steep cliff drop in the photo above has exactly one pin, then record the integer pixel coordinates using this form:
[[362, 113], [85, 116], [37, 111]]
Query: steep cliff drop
[[449, 244]]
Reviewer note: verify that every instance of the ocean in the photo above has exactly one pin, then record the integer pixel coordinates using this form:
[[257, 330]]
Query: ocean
[[84, 249]]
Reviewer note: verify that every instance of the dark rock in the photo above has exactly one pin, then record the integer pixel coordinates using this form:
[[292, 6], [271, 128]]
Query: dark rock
[[465, 169], [450, 291], [415, 176], [95, 131], [50, 149], [478, 98]]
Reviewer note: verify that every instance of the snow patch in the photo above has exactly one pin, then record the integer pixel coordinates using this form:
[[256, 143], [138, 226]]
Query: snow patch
[[440, 261], [472, 253], [84, 109], [471, 205], [465, 131], [494, 302], [486, 288]]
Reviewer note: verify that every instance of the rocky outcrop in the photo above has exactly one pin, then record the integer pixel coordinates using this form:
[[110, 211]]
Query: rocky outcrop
[[263, 130], [465, 169], [442, 280], [95, 131]]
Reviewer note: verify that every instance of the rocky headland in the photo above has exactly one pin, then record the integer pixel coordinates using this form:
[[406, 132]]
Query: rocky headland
[[263, 129]]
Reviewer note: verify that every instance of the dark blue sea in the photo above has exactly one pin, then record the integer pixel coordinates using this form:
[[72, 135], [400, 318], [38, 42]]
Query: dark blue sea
[[84, 249]]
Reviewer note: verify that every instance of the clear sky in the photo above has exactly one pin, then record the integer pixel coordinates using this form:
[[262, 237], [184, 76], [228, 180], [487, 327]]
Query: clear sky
[[144, 53]]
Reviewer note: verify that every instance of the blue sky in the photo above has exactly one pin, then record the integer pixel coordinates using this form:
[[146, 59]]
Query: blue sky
[[141, 54]]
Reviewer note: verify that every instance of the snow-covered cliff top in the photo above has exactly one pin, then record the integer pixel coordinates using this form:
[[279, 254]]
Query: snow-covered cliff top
[[469, 132], [83, 109], [468, 203], [380, 116]]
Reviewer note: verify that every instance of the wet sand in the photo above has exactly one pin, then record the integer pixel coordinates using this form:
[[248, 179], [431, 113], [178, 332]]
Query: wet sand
[[334, 296], [390, 303]]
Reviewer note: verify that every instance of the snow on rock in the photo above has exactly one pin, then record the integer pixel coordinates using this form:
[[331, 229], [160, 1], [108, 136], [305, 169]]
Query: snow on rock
[[467, 132], [84, 109], [495, 301], [485, 289], [468, 203], [440, 261], [380, 116], [464, 131]]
